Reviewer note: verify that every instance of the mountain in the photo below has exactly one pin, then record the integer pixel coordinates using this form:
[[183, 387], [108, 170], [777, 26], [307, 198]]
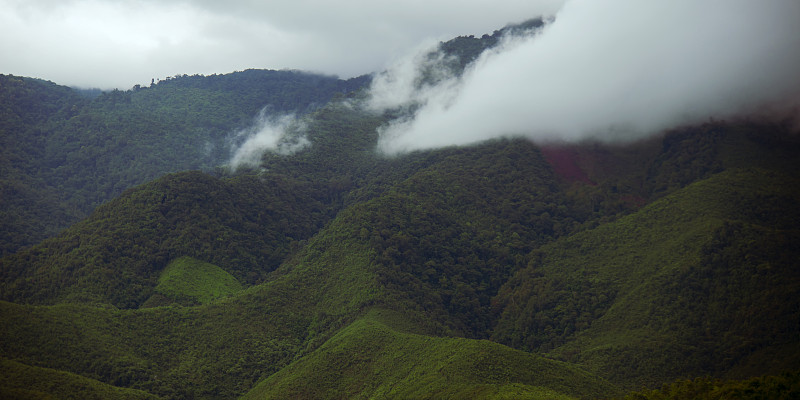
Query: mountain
[[395, 364], [506, 269], [63, 153], [692, 281]]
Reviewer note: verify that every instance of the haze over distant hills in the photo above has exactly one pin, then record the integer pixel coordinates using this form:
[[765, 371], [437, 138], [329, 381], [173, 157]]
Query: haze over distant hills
[[276, 234]]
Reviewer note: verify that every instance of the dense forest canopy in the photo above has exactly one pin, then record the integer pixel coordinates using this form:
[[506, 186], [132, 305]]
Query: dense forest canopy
[[66, 153]]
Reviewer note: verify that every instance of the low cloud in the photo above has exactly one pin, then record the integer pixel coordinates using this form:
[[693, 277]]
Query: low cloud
[[281, 134], [609, 70], [417, 79]]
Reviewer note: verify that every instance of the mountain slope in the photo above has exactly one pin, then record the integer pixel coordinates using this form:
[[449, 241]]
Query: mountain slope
[[246, 225], [337, 275], [29, 210], [695, 283], [783, 386], [369, 359], [20, 381], [626, 300], [217, 350], [190, 281], [64, 154]]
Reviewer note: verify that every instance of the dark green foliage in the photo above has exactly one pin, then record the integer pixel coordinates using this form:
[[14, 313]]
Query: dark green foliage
[[20, 381], [547, 311], [284, 91], [370, 359], [785, 386], [688, 154], [451, 234], [218, 350], [247, 225], [483, 242], [688, 285], [29, 209], [692, 153], [62, 154]]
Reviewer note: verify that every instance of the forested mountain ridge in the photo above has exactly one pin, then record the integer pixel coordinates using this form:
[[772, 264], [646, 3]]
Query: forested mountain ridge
[[446, 243], [65, 151], [501, 270], [64, 154]]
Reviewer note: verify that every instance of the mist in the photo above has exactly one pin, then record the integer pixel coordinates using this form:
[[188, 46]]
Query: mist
[[282, 134], [612, 70]]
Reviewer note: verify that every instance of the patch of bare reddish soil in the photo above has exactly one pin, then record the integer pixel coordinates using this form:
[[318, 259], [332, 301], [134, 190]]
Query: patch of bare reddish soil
[[564, 161]]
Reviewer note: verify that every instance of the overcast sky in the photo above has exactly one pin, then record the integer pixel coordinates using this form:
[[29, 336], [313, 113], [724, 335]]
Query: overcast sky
[[120, 43]]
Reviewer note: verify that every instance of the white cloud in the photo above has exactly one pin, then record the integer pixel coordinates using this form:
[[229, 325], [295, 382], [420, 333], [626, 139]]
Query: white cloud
[[401, 83], [616, 69], [281, 134]]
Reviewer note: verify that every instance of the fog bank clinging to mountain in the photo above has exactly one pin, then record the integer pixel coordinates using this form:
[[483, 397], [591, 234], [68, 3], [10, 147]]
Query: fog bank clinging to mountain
[[611, 70], [282, 134]]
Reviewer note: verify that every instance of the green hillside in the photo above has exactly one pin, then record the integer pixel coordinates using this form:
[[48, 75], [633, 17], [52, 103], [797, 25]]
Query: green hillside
[[515, 256], [778, 387], [688, 285], [29, 209], [64, 154], [218, 350], [369, 359], [191, 281], [246, 225], [20, 381]]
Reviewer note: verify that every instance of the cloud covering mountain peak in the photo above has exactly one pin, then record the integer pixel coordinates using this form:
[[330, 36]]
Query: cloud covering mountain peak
[[611, 70]]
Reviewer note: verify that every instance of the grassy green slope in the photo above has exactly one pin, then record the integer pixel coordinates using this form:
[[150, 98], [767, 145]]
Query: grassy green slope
[[190, 281], [691, 284], [448, 236], [215, 351], [246, 225], [774, 387], [218, 350], [20, 381], [642, 300], [370, 359]]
